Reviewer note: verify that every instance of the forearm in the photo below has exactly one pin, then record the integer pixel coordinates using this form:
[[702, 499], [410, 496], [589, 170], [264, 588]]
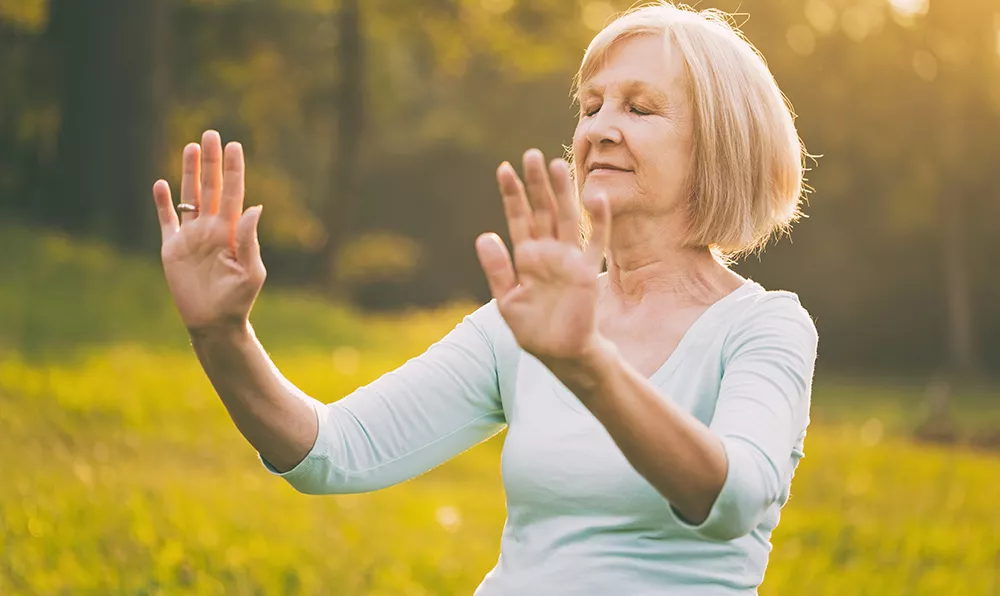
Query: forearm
[[271, 413], [674, 451]]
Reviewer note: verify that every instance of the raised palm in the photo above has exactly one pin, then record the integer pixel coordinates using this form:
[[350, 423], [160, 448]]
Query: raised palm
[[211, 258], [548, 294]]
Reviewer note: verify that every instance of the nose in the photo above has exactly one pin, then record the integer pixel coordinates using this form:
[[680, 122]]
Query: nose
[[604, 127]]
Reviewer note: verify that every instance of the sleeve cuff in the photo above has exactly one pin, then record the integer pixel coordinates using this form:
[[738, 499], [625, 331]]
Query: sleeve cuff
[[736, 510], [303, 475]]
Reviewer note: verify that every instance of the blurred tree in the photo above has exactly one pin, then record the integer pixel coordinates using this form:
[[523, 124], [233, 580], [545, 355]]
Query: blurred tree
[[113, 92], [964, 45], [339, 212], [28, 113]]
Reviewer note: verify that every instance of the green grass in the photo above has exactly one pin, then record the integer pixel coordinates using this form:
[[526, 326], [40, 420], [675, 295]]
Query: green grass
[[122, 474]]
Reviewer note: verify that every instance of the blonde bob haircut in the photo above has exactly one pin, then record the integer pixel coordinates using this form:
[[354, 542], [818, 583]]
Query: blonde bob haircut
[[746, 181]]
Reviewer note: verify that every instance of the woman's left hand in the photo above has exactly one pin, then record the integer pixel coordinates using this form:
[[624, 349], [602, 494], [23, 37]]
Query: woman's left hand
[[548, 295]]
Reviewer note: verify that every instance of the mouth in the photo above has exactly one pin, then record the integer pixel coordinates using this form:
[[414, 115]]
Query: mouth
[[602, 168]]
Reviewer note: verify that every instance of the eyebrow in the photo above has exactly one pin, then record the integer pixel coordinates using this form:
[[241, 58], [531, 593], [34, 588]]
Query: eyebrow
[[630, 87]]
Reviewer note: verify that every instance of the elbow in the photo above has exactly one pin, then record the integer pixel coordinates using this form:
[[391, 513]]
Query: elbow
[[313, 483], [728, 534], [732, 520], [316, 475], [327, 490], [750, 488], [328, 479], [729, 518], [315, 488]]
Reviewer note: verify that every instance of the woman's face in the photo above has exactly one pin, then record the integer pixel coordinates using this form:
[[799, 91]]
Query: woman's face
[[633, 141]]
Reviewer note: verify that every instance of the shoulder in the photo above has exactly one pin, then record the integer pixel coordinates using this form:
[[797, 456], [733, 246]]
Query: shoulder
[[776, 317], [760, 303]]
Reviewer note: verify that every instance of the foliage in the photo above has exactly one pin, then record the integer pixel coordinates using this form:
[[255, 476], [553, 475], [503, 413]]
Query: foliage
[[63, 297]]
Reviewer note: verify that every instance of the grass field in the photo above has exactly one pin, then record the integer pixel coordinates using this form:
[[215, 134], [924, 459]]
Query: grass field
[[122, 474]]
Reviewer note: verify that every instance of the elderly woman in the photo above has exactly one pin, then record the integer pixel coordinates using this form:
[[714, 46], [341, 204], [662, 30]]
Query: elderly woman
[[655, 412]]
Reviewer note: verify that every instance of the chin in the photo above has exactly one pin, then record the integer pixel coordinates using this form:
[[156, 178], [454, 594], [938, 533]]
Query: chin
[[616, 194]]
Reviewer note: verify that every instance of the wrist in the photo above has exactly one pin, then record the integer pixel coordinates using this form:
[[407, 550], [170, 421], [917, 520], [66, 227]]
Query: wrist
[[586, 373], [222, 332]]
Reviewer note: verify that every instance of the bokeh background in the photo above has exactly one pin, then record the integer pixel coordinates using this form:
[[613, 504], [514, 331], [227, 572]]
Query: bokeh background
[[372, 130]]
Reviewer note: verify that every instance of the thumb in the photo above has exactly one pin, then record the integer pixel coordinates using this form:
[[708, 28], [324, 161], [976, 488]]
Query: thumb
[[247, 244], [495, 261]]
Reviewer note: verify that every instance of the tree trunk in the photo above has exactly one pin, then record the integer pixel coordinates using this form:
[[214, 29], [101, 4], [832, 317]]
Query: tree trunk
[[962, 360], [340, 212], [113, 83], [961, 345]]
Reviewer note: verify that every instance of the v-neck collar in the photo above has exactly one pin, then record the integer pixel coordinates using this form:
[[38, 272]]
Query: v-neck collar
[[696, 332]]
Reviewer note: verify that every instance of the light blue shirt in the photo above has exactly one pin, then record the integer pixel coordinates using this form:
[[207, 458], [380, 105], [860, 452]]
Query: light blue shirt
[[580, 519]]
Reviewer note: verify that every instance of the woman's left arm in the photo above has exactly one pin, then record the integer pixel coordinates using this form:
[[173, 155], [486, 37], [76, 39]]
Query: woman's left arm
[[719, 479]]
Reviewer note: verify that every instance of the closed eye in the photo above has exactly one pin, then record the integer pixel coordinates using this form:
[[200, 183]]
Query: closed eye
[[639, 111], [591, 111]]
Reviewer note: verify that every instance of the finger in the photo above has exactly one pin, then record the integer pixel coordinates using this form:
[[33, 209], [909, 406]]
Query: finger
[[495, 261], [515, 204], [600, 215], [231, 204], [567, 204], [247, 240], [165, 210], [543, 203], [191, 180], [211, 172]]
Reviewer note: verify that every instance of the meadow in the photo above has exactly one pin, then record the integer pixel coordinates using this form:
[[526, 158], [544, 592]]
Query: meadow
[[120, 472]]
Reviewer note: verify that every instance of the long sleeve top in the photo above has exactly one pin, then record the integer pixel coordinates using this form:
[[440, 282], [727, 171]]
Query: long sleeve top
[[580, 519]]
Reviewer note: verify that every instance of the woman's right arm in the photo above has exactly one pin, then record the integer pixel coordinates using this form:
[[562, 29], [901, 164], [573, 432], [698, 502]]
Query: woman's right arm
[[212, 264], [273, 415], [406, 422]]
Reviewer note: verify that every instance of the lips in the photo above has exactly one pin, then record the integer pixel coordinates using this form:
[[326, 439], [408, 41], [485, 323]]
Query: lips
[[597, 165]]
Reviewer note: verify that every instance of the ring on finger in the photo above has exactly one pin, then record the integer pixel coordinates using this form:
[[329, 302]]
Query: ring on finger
[[187, 208]]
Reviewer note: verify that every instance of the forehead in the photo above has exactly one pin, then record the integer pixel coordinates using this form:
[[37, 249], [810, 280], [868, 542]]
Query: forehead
[[649, 60]]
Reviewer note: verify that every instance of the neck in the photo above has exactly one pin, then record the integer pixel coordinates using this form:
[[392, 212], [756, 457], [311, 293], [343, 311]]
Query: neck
[[645, 259]]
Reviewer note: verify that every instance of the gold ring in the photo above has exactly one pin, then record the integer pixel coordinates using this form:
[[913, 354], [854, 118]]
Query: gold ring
[[187, 208]]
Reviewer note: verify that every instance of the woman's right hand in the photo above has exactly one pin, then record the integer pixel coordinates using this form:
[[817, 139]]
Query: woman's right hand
[[211, 257]]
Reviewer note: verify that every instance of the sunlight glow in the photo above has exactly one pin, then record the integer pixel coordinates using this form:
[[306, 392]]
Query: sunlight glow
[[821, 15], [860, 21], [909, 9], [449, 517], [996, 25], [801, 39]]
